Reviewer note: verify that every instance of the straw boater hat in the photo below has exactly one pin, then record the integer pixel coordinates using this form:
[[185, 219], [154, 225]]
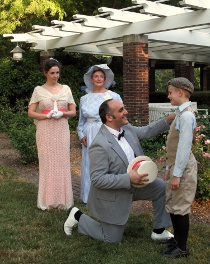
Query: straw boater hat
[[146, 166], [102, 67]]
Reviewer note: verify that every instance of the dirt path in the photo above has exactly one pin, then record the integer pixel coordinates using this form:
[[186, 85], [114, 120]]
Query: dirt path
[[10, 157]]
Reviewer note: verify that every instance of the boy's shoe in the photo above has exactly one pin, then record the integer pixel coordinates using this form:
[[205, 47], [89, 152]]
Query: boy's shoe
[[175, 252], [171, 242], [165, 235], [70, 221]]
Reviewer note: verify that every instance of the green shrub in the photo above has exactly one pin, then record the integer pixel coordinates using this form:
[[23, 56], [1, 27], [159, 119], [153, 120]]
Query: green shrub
[[6, 115], [201, 150], [22, 134], [204, 106], [201, 97], [151, 145], [161, 78], [18, 79], [20, 129]]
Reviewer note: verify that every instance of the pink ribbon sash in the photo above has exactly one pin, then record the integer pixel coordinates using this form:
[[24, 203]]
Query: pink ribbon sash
[[46, 111]]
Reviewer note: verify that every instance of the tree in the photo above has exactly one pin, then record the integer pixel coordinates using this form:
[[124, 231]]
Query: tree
[[19, 16]]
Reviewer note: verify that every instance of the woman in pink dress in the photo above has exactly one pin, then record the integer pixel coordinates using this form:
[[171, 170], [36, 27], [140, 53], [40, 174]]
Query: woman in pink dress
[[50, 106]]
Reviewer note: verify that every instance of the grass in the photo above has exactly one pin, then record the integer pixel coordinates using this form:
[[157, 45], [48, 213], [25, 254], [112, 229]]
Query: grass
[[29, 235]]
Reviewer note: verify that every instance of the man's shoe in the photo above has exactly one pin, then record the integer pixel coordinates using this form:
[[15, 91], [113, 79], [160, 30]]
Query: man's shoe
[[176, 252], [161, 237], [70, 221]]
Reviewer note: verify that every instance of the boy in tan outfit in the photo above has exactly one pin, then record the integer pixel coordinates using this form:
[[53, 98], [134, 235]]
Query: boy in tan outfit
[[181, 169]]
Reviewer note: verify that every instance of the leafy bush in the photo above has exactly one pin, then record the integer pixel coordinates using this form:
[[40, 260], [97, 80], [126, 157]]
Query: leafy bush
[[201, 97], [204, 106], [201, 150], [151, 145], [6, 115], [161, 79], [20, 129], [22, 134], [18, 79]]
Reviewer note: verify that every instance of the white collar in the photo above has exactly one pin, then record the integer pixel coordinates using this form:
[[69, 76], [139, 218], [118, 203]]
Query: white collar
[[113, 131]]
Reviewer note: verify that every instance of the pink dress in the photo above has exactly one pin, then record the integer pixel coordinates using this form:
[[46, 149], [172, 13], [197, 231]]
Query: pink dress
[[53, 144]]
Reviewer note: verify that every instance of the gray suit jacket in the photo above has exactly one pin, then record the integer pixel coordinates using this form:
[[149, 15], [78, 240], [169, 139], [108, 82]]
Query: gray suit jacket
[[110, 196]]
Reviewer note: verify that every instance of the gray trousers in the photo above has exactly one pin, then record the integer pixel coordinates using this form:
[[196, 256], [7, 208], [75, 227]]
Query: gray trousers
[[111, 233]]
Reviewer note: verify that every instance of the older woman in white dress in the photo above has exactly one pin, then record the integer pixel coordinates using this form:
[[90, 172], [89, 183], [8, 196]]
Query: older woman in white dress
[[98, 79]]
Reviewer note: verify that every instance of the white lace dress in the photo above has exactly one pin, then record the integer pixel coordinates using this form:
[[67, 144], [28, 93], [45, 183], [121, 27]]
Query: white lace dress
[[53, 144]]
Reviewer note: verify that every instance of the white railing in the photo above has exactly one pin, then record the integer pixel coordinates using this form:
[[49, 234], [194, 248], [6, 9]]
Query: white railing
[[159, 110]]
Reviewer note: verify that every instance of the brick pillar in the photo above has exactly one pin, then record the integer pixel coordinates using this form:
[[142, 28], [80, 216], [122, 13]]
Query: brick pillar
[[180, 69], [208, 78], [152, 76], [135, 78], [190, 72], [204, 79], [44, 55]]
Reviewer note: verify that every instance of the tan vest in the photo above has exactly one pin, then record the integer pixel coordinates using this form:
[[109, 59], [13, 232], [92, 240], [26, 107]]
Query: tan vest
[[173, 139]]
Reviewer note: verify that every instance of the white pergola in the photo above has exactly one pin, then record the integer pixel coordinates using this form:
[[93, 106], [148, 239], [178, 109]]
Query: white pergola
[[174, 33]]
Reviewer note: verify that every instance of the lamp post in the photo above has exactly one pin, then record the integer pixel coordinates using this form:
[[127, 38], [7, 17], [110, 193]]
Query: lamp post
[[17, 53]]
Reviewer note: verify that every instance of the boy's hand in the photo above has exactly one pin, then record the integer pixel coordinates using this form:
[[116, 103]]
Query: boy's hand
[[174, 183]]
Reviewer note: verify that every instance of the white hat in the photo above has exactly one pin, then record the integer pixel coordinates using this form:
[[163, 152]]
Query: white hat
[[146, 166], [107, 71]]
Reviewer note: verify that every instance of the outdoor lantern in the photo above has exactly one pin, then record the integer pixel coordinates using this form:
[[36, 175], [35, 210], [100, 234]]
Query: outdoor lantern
[[17, 53]]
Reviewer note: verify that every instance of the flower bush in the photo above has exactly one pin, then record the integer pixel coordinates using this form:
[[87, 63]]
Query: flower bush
[[201, 150]]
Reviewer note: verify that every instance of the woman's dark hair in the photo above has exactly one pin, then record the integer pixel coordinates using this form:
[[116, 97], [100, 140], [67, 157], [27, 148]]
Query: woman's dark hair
[[104, 109], [100, 71], [48, 64]]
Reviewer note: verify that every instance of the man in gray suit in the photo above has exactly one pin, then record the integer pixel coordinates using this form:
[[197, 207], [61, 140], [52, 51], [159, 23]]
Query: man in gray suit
[[111, 193]]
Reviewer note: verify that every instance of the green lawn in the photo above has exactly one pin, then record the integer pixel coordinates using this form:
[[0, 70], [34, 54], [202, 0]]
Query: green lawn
[[29, 235]]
